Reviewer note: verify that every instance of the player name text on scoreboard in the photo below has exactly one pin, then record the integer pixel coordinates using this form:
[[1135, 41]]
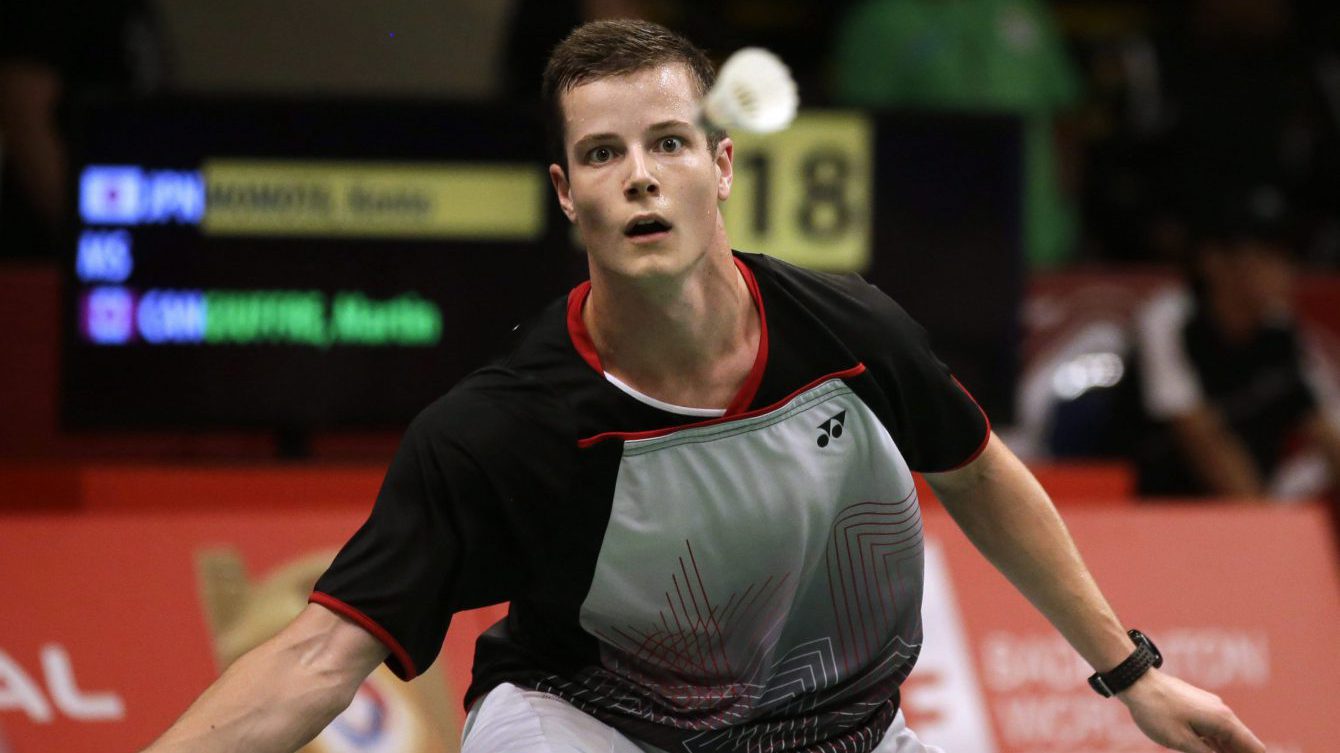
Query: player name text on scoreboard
[[116, 315], [467, 201]]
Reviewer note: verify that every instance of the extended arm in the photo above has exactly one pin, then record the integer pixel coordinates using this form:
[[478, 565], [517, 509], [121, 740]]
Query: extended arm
[[1010, 519], [1217, 456], [282, 693], [1326, 436]]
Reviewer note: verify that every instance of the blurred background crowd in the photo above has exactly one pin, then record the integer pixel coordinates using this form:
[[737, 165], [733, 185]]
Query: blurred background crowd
[[1192, 142]]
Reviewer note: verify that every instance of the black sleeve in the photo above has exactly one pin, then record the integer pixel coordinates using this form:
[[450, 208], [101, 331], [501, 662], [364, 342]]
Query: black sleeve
[[446, 532], [940, 426]]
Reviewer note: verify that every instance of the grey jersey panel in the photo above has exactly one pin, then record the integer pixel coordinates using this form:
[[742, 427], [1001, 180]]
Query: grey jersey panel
[[759, 567]]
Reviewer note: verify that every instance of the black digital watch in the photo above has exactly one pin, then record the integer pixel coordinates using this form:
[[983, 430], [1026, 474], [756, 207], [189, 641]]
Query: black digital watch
[[1124, 675]]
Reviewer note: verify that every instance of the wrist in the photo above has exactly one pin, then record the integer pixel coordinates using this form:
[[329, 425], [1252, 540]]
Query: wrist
[[1141, 688], [1144, 658]]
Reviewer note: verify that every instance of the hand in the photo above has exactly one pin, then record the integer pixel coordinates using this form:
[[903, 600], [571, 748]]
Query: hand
[[1183, 717]]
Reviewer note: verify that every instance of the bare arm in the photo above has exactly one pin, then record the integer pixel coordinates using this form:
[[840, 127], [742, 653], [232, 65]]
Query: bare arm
[[1009, 518], [1217, 455], [282, 693], [1326, 436]]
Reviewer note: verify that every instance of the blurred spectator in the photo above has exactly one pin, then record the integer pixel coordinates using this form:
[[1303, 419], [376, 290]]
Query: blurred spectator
[[1219, 373], [998, 56], [536, 26], [52, 54], [306, 49], [1226, 92], [797, 30]]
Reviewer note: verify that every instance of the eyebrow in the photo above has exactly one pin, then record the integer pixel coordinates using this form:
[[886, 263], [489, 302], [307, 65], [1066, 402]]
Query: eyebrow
[[664, 124]]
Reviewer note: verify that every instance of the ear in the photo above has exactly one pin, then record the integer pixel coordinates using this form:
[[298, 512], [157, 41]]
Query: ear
[[561, 187], [725, 161]]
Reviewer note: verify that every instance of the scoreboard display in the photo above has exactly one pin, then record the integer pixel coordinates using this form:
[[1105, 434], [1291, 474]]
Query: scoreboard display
[[298, 265], [314, 265]]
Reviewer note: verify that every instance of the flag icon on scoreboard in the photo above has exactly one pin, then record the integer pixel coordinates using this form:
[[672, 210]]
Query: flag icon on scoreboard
[[110, 194], [109, 315]]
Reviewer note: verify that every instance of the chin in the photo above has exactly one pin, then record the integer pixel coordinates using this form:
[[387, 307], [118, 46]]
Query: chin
[[664, 263], [650, 267], [645, 261]]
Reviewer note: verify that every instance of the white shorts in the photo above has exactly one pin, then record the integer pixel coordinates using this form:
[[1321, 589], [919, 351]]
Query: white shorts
[[511, 720]]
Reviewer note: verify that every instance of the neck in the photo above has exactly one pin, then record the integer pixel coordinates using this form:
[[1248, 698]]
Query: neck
[[689, 340]]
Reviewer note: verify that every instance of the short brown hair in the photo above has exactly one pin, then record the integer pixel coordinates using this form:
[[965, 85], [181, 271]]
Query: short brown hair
[[601, 49]]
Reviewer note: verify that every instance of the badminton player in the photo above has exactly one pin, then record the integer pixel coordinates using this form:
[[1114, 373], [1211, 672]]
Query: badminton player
[[692, 480]]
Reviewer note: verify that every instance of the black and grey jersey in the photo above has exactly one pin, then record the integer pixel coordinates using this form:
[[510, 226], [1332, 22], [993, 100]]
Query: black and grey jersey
[[743, 581]]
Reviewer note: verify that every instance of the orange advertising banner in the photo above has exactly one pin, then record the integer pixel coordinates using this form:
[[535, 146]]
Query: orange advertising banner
[[1242, 600], [111, 623]]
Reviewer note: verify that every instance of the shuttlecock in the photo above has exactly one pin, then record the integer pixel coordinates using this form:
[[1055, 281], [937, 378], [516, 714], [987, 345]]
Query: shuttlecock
[[754, 92]]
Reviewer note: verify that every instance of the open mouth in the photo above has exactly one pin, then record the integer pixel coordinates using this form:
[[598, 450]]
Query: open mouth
[[646, 227]]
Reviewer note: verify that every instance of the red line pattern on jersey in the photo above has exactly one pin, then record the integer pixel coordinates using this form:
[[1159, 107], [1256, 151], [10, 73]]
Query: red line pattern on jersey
[[864, 583], [714, 667], [690, 641], [710, 677]]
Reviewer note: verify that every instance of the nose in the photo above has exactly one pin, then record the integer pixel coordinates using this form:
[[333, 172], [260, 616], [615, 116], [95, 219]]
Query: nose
[[640, 179]]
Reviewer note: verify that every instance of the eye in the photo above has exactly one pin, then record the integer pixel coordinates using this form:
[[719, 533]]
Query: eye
[[600, 154], [671, 144]]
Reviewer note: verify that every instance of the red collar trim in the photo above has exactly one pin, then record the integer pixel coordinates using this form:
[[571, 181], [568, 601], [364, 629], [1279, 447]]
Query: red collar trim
[[755, 378], [581, 339], [586, 347]]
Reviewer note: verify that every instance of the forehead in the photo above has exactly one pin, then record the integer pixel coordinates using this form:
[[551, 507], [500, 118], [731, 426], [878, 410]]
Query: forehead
[[630, 102]]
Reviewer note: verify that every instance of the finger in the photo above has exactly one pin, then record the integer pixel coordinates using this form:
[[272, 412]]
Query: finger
[[1232, 736], [1193, 744], [1238, 742]]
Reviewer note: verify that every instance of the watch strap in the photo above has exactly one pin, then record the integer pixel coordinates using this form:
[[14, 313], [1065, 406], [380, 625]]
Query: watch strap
[[1124, 675]]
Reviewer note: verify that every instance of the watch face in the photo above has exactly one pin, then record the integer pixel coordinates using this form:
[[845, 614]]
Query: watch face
[[1143, 640]]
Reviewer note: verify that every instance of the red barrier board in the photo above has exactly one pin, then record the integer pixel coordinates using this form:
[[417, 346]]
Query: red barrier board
[[1243, 601], [176, 487], [112, 623]]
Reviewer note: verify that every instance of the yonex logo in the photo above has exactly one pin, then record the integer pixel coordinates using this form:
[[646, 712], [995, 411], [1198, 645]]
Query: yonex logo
[[831, 428]]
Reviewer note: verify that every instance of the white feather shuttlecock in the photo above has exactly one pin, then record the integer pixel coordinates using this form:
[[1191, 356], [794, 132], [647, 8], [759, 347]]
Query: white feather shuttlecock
[[754, 92]]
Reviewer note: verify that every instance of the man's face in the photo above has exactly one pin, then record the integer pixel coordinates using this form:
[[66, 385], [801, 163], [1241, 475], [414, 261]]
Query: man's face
[[641, 185]]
